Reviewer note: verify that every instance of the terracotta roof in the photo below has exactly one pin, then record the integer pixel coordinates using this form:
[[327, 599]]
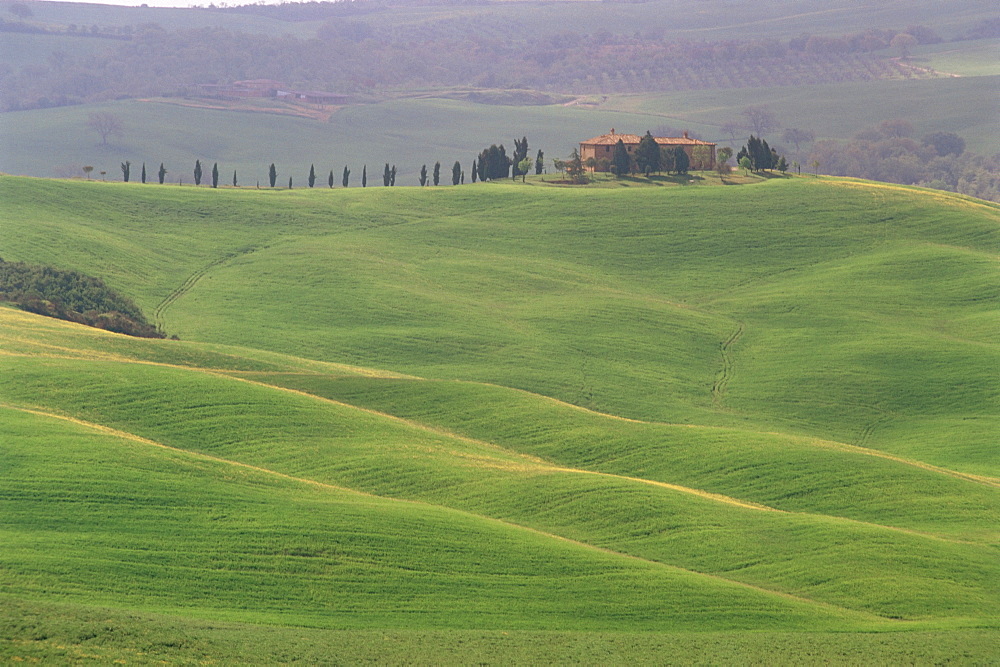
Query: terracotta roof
[[612, 138]]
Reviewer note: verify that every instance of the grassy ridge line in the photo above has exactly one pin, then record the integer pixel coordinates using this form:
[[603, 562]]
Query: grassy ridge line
[[304, 480], [440, 472], [364, 540], [827, 472]]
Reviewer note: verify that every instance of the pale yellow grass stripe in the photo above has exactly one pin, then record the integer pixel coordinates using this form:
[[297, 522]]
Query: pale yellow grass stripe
[[125, 435], [818, 442]]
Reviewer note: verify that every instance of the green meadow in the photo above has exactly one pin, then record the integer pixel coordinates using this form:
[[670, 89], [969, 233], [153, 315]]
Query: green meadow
[[506, 423]]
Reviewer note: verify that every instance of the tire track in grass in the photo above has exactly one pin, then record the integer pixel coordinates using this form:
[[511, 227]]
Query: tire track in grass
[[726, 374], [132, 437], [192, 280]]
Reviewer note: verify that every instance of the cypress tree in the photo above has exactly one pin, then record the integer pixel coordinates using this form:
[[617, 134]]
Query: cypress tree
[[126, 170], [475, 171], [621, 161], [392, 176], [456, 173], [215, 175], [312, 175], [197, 172], [143, 175], [423, 175], [647, 155], [364, 176], [162, 173], [272, 175], [346, 177], [386, 175], [234, 178], [539, 163], [289, 182], [330, 180], [437, 173], [681, 160]]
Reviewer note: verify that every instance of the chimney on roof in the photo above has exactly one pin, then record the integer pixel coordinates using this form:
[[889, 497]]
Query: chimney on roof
[[686, 134]]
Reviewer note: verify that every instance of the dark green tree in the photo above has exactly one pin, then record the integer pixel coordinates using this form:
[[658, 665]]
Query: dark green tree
[[289, 182], [392, 176], [386, 175], [234, 178], [364, 176], [197, 172], [162, 173], [475, 171], [126, 170], [330, 180], [782, 165], [312, 175], [621, 161], [681, 160], [272, 175], [143, 174], [346, 177], [423, 175], [520, 154], [437, 173], [456, 173], [647, 155], [215, 175], [539, 163], [574, 168]]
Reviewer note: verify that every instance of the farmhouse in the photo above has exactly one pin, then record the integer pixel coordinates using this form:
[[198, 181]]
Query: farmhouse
[[602, 148]]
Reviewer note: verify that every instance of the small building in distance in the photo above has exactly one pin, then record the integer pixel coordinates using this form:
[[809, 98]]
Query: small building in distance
[[602, 149], [241, 89]]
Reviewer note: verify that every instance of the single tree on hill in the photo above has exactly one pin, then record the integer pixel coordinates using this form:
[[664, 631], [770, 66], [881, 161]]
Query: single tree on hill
[[782, 165], [621, 161], [215, 175], [105, 124], [289, 182], [87, 169], [794, 135], [142, 176], [423, 175], [456, 173], [437, 173], [162, 173], [539, 163], [234, 178], [759, 120], [364, 176], [272, 175], [312, 175], [330, 180], [126, 170], [197, 172], [346, 177]]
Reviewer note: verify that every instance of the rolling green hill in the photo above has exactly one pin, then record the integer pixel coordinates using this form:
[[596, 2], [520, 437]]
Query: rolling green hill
[[503, 422]]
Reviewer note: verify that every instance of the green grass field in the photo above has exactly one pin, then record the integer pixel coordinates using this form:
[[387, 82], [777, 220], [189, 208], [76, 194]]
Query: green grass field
[[506, 423]]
